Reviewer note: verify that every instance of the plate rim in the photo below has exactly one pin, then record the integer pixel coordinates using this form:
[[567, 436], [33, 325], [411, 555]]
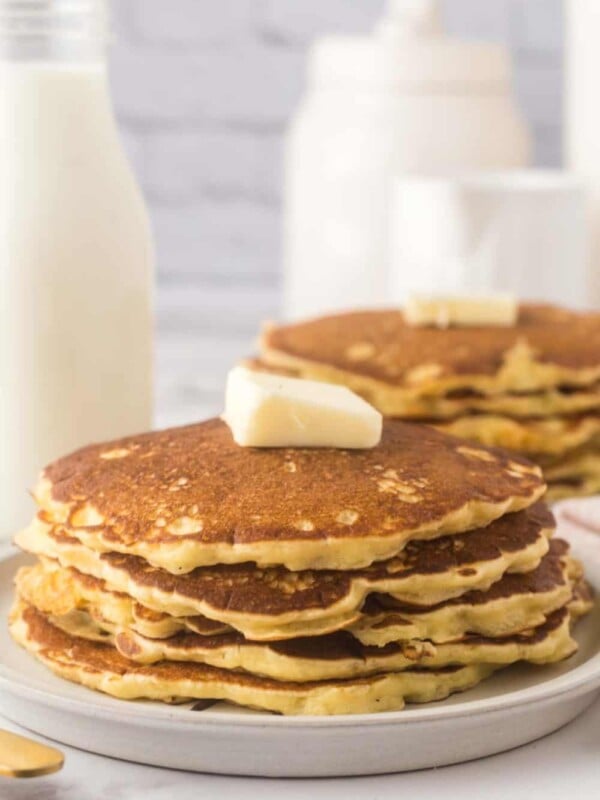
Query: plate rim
[[521, 699], [580, 680]]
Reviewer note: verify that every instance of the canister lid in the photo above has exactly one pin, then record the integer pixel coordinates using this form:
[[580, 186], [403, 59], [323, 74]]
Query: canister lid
[[409, 49]]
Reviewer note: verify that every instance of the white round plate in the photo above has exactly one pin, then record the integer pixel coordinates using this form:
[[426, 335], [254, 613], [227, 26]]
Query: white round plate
[[516, 706]]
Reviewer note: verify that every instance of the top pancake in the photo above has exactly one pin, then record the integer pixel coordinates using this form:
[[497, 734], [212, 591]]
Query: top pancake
[[190, 497], [548, 347]]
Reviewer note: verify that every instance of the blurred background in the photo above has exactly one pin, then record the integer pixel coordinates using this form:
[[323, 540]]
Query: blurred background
[[203, 91]]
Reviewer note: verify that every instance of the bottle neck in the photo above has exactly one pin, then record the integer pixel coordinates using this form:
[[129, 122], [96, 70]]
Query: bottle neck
[[59, 31]]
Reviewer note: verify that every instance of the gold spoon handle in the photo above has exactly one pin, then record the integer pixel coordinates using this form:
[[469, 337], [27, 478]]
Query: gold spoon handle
[[23, 758]]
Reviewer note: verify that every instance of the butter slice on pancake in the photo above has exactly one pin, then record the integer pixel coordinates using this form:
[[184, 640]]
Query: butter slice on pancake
[[99, 666], [190, 497], [276, 603]]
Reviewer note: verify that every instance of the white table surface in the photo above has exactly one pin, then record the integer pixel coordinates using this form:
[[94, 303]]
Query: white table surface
[[563, 765]]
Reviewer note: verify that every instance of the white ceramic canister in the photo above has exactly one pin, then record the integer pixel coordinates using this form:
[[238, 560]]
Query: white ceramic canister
[[521, 232], [405, 100], [75, 249]]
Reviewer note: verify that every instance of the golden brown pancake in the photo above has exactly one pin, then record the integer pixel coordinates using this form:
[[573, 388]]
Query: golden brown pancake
[[582, 601], [190, 497], [56, 590], [512, 604], [573, 474], [554, 436], [575, 487], [337, 656], [582, 464], [99, 666], [276, 603], [389, 361], [461, 402]]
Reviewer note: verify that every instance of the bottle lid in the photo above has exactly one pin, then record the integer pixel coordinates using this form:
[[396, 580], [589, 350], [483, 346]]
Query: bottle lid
[[409, 49]]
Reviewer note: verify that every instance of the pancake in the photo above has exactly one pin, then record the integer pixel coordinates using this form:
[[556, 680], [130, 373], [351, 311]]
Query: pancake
[[551, 436], [337, 656], [99, 666], [512, 604], [461, 402], [575, 475], [276, 603], [190, 497], [582, 601], [576, 487], [59, 591], [391, 363], [577, 465]]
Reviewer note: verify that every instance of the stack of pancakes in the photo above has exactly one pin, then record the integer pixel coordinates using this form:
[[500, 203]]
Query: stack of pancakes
[[533, 388], [181, 567]]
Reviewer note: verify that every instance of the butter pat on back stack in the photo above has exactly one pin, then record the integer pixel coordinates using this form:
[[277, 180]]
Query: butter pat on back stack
[[274, 411], [446, 311]]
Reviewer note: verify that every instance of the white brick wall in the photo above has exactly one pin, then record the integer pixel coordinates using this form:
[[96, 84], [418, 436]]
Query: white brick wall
[[203, 89], [190, 22], [184, 165]]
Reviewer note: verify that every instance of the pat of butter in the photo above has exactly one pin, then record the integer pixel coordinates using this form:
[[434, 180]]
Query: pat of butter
[[445, 311], [265, 410]]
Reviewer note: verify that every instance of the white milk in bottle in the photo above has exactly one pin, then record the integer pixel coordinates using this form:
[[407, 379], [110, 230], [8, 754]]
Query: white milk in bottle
[[75, 250]]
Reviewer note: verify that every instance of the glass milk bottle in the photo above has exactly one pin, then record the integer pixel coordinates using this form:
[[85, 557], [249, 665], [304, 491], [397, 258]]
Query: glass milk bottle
[[75, 249]]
